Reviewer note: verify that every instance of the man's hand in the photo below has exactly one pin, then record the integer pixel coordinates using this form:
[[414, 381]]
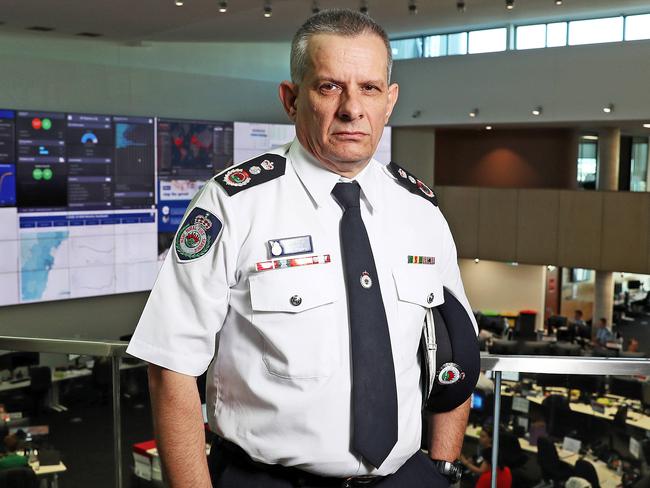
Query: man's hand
[[446, 432], [178, 426]]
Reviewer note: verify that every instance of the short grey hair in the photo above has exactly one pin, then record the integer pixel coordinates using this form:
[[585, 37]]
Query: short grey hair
[[342, 22]]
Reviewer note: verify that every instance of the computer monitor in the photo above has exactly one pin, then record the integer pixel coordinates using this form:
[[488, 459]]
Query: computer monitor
[[24, 359], [645, 394], [626, 387], [492, 323], [550, 379], [587, 384], [525, 326], [633, 284], [503, 347], [618, 288], [557, 321], [535, 348], [478, 401]]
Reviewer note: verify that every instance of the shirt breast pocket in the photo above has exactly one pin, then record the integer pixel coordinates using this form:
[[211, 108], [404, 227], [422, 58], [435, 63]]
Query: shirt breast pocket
[[418, 288], [294, 312]]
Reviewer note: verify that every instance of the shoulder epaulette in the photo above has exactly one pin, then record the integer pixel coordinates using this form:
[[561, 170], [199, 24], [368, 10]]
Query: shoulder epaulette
[[253, 172], [411, 183]]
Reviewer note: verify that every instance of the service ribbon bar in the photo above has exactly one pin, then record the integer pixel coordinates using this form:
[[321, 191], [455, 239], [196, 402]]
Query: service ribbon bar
[[421, 260], [292, 262]]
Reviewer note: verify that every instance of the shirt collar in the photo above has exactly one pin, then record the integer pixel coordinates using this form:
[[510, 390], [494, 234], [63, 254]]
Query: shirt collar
[[319, 181]]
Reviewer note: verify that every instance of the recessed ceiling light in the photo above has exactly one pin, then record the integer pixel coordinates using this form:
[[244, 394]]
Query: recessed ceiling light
[[178, 3], [473, 113], [558, 2], [477, 260], [590, 138], [364, 7], [488, 127], [510, 4], [268, 9], [223, 6], [537, 110], [40, 28], [460, 5], [608, 109], [647, 126], [413, 7]]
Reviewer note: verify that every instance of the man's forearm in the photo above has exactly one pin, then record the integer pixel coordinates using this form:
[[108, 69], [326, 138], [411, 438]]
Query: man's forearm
[[178, 426], [446, 432]]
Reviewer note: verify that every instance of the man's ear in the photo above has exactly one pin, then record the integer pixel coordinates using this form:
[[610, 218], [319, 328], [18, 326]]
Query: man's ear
[[288, 93], [393, 93]]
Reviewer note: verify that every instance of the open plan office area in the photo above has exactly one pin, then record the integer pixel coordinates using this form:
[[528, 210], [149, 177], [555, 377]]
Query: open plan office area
[[529, 119]]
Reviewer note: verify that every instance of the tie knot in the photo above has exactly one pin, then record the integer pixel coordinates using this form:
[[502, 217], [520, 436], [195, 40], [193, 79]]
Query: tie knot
[[347, 194]]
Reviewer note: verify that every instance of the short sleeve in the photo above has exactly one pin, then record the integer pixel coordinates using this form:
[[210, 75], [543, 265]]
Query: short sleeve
[[189, 301], [450, 273]]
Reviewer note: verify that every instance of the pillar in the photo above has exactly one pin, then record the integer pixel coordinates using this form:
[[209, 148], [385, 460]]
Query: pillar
[[609, 147]]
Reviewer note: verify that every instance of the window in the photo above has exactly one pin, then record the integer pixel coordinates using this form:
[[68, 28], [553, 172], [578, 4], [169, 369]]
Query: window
[[556, 34], [407, 48], [639, 165], [531, 36], [637, 27], [457, 43], [594, 31], [487, 41], [435, 46], [587, 162]]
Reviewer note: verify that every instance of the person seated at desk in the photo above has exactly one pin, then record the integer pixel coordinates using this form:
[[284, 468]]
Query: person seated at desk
[[603, 334], [633, 345], [12, 459], [504, 476], [480, 465]]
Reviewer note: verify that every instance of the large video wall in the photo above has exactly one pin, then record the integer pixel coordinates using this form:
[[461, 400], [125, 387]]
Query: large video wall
[[89, 204]]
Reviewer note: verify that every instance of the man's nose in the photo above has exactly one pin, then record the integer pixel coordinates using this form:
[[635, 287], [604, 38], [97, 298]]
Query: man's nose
[[351, 106]]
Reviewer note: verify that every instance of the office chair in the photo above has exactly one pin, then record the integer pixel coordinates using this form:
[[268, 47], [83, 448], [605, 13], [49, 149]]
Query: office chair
[[557, 415], [553, 469], [584, 469], [39, 387], [509, 448], [23, 477]]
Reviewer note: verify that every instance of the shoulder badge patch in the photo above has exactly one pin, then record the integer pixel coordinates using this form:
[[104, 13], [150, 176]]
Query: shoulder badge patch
[[411, 183], [258, 170], [197, 234]]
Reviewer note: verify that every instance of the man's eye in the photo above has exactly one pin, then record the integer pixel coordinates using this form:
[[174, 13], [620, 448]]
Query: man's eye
[[328, 87]]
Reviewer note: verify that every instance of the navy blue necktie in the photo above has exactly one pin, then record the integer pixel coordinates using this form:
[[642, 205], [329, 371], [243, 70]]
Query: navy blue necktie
[[374, 392]]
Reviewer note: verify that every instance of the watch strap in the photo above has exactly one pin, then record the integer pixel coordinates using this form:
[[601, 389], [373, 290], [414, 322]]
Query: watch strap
[[453, 471]]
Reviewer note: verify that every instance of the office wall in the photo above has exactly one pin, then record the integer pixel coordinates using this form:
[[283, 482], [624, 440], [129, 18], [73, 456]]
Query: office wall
[[570, 83], [414, 149], [504, 288], [191, 80], [506, 158]]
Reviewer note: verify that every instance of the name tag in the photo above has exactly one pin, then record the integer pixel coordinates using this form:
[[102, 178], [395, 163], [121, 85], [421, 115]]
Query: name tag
[[290, 246]]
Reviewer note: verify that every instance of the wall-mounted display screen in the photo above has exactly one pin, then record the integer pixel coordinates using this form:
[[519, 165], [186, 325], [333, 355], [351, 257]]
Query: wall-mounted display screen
[[90, 203]]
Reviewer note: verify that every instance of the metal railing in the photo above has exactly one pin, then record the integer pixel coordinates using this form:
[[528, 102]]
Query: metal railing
[[114, 350], [552, 365]]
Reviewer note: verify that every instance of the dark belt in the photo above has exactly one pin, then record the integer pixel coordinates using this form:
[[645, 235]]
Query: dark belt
[[295, 476]]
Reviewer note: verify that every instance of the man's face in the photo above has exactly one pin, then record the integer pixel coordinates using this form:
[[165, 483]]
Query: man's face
[[344, 101]]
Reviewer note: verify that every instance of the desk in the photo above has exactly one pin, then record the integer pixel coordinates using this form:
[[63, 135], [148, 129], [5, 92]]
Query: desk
[[607, 477], [50, 474]]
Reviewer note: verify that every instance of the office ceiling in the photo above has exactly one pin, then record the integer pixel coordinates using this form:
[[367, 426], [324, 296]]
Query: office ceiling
[[134, 21]]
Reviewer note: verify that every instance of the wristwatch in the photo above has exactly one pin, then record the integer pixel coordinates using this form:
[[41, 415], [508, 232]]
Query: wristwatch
[[453, 471]]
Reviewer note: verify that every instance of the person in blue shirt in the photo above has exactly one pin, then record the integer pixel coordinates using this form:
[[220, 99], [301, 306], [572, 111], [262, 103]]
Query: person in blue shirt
[[603, 334]]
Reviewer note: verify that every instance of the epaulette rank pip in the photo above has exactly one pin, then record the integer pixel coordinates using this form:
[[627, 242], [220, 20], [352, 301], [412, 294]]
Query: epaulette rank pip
[[411, 183], [253, 172]]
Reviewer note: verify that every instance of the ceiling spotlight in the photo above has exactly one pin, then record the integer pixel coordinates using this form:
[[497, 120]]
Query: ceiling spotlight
[[510, 4], [315, 8], [558, 2], [460, 5], [178, 3], [268, 10], [608, 109], [477, 260], [537, 110], [223, 6], [413, 7], [647, 126], [473, 113], [364, 7], [488, 127]]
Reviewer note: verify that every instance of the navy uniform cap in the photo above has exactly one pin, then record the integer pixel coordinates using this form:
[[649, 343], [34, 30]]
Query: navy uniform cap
[[457, 344]]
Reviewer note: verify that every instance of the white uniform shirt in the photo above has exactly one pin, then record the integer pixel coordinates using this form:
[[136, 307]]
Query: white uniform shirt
[[280, 385]]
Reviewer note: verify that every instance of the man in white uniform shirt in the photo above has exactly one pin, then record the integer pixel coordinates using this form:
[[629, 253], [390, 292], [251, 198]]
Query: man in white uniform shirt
[[259, 288]]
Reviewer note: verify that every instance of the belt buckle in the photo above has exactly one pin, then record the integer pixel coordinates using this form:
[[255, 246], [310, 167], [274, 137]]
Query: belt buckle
[[363, 480]]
